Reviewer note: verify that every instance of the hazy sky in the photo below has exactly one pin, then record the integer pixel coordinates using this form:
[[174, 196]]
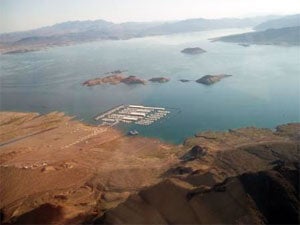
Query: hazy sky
[[27, 14]]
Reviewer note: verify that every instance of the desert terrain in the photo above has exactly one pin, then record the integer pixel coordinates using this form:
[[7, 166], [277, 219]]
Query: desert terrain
[[86, 169], [57, 170]]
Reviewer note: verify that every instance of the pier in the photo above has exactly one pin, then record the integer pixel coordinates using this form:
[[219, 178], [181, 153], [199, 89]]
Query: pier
[[138, 114]]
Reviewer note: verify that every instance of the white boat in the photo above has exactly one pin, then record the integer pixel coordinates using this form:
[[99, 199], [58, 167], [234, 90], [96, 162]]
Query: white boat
[[133, 132]]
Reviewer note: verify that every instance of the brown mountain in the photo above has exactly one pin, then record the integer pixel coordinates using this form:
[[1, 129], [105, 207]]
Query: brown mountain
[[55, 169], [265, 197]]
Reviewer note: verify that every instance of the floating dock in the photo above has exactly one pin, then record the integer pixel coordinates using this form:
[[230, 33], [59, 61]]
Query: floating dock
[[138, 114]]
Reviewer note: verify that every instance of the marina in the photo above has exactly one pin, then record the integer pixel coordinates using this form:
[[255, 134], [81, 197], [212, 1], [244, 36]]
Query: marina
[[138, 114]]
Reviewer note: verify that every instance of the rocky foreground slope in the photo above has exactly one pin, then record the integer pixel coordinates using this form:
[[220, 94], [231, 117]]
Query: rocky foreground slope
[[265, 197], [58, 170]]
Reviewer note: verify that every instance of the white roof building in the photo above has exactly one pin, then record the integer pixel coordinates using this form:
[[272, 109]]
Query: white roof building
[[138, 114], [130, 118]]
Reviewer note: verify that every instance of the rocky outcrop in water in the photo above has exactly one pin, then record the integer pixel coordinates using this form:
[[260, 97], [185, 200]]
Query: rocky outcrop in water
[[133, 80], [211, 79], [159, 80], [118, 77], [184, 80], [193, 51], [114, 79]]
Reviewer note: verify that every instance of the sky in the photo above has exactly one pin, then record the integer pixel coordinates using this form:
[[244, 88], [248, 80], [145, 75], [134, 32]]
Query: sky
[[16, 15]]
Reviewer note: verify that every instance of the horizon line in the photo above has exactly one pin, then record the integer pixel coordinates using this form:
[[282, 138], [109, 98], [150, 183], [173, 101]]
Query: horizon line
[[148, 21]]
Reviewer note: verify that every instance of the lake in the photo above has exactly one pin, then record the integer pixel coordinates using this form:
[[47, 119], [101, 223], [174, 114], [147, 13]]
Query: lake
[[263, 91]]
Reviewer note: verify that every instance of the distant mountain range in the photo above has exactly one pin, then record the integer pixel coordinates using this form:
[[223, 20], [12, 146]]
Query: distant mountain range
[[282, 31], [282, 36], [287, 21], [96, 29], [84, 31], [122, 30], [74, 32], [193, 25]]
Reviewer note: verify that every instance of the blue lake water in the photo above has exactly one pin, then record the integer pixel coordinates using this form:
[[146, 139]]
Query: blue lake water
[[263, 91]]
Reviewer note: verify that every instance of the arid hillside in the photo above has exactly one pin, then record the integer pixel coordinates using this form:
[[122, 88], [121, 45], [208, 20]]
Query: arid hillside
[[57, 170], [266, 197], [76, 169]]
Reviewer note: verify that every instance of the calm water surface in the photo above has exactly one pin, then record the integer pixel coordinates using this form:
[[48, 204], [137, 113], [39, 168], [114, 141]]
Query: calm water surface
[[263, 91]]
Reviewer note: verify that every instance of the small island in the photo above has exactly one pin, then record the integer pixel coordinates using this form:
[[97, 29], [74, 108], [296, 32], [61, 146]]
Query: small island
[[116, 72], [133, 80], [114, 79], [184, 80], [159, 80], [193, 51], [244, 44], [211, 79]]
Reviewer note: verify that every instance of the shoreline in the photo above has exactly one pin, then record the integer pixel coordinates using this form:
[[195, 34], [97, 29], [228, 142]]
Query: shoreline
[[5, 49], [101, 167], [122, 128], [123, 132]]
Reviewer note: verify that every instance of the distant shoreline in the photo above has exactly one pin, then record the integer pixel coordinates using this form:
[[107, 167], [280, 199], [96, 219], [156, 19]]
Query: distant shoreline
[[74, 32]]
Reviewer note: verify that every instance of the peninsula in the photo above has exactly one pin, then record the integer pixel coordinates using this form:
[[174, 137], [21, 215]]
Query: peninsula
[[287, 36]]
